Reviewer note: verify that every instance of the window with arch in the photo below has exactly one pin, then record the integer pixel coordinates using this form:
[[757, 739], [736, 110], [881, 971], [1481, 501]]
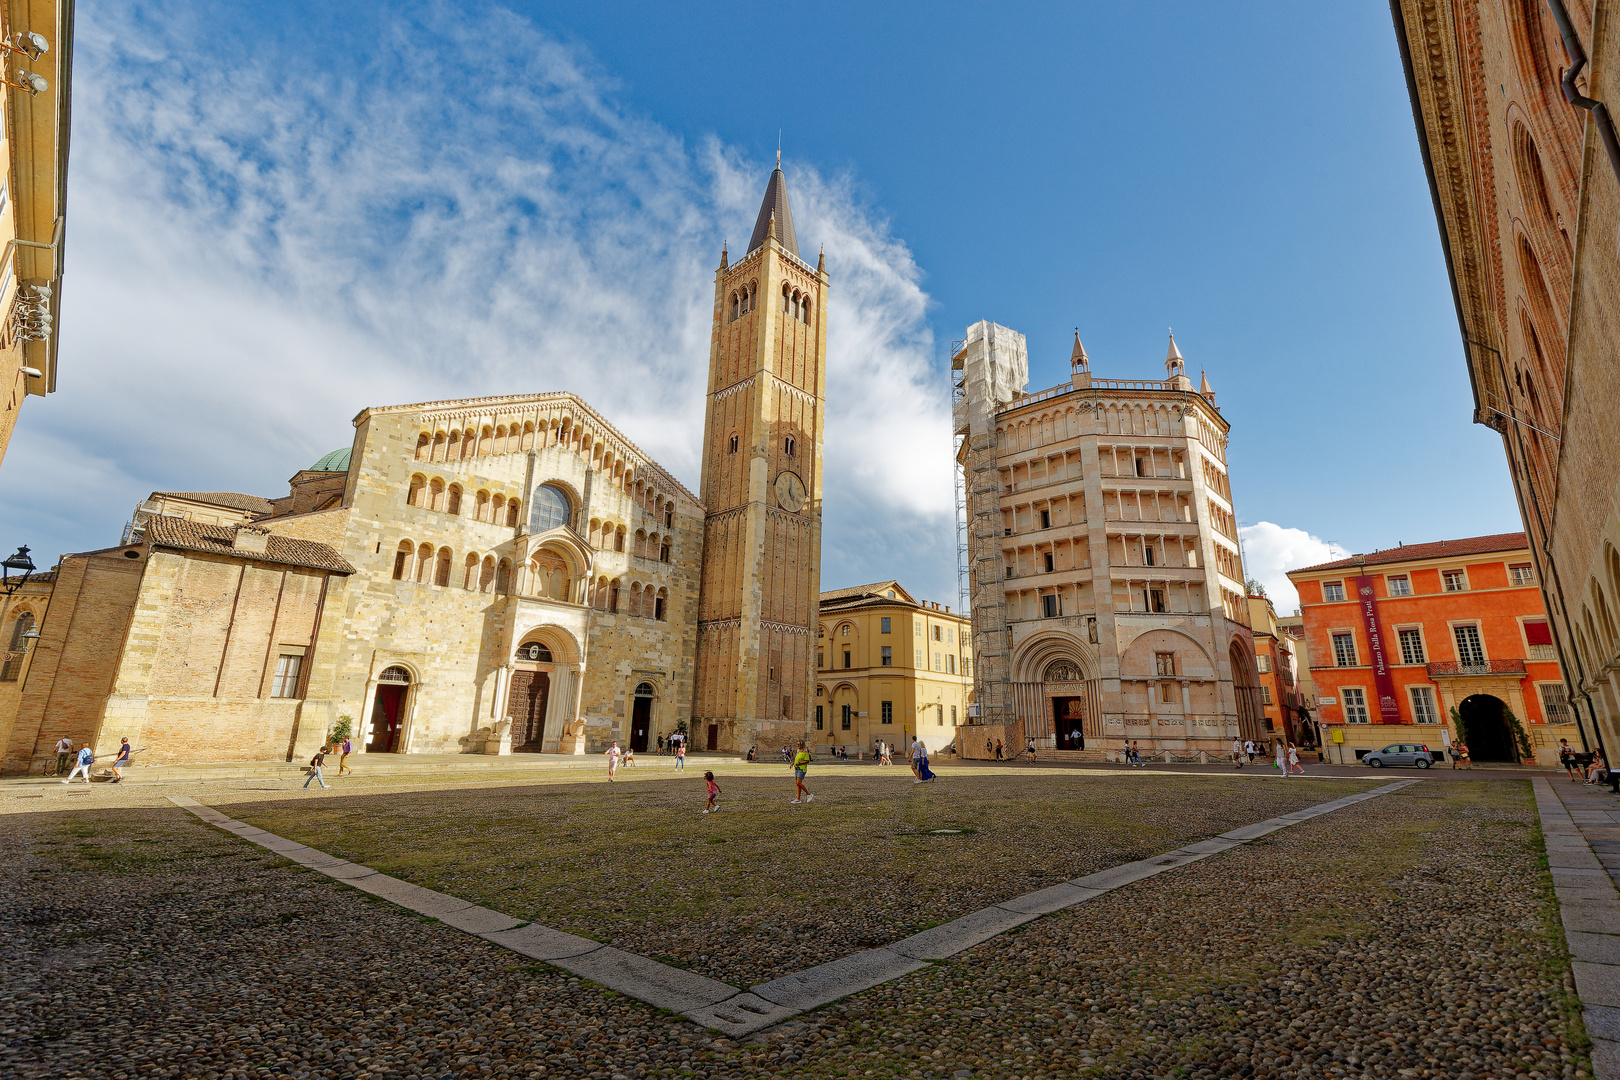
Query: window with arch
[[663, 552], [441, 571], [413, 496], [550, 509], [661, 605], [452, 499], [731, 446], [512, 515], [503, 577], [613, 596], [486, 574], [790, 446], [402, 560], [424, 446], [12, 670], [481, 506], [435, 494], [618, 539], [804, 311], [424, 563], [469, 580]]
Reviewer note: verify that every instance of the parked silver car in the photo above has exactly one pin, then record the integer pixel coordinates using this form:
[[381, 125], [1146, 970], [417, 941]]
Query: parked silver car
[[1402, 754]]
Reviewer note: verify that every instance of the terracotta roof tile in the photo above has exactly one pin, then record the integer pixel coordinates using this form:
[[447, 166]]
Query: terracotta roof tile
[[1440, 549], [171, 532]]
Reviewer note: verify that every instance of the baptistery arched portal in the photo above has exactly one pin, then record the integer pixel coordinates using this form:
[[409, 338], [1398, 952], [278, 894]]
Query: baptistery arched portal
[[641, 717]]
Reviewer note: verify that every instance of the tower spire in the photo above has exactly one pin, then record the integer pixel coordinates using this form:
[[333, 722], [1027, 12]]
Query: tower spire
[[1173, 363], [775, 205], [1078, 358]]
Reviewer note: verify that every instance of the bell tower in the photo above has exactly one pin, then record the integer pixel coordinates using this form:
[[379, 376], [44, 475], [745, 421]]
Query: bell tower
[[761, 490]]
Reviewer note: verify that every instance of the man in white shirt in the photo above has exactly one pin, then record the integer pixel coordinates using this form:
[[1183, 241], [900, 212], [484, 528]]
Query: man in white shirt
[[1248, 749], [64, 754], [1237, 752]]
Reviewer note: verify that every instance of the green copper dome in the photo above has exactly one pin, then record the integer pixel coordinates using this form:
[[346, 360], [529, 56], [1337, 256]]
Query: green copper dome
[[336, 461]]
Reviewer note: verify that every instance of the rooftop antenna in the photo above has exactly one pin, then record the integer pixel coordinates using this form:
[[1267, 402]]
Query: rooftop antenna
[[778, 148]]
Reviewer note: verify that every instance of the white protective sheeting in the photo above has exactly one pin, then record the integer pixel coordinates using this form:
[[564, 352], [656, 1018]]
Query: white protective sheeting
[[995, 369]]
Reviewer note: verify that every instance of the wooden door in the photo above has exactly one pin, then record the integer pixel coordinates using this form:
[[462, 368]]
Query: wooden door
[[526, 708], [714, 737]]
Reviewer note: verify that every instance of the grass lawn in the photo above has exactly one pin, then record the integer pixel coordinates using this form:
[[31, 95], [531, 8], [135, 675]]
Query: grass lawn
[[765, 888]]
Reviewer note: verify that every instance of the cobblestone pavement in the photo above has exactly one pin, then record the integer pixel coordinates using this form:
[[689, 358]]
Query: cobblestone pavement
[[766, 888], [1410, 936]]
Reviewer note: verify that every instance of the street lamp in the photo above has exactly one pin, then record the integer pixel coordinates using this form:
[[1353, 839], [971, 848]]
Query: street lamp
[[20, 562]]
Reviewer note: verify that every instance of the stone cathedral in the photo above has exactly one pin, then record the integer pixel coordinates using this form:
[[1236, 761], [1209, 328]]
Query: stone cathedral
[[492, 575]]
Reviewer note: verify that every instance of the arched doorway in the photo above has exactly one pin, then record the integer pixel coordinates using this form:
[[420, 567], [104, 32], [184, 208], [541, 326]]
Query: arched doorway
[[1485, 728], [1068, 711], [1245, 685], [641, 717], [527, 698], [388, 712]]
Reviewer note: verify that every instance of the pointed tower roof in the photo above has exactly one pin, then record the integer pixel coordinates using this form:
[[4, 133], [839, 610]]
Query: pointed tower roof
[[1204, 387], [1078, 357], [774, 213], [1174, 353]]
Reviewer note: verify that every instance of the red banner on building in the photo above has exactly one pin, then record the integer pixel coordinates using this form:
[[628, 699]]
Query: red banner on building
[[1389, 709]]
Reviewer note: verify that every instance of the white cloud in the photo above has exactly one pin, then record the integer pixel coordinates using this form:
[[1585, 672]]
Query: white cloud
[[1270, 551], [260, 248]]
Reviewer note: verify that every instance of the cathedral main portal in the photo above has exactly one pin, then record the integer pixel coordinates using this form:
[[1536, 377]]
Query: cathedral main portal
[[526, 707]]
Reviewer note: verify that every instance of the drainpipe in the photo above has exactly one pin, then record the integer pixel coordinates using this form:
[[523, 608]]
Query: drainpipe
[[1577, 61]]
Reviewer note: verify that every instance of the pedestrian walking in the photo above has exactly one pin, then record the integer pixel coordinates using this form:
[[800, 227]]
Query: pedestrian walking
[[660, 745], [680, 756], [990, 748], [1248, 750], [87, 758], [315, 764], [924, 773], [1566, 757], [343, 757], [1293, 760], [713, 805], [801, 764], [121, 762], [64, 754], [613, 760], [912, 754], [1029, 750], [1136, 754], [1237, 753], [1463, 760]]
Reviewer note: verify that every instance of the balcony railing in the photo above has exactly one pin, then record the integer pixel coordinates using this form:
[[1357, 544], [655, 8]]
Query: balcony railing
[[1493, 667]]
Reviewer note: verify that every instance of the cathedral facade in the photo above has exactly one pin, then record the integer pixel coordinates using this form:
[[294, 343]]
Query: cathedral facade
[[491, 575]]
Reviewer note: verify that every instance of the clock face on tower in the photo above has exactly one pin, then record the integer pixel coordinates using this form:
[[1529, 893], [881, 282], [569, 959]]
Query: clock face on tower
[[790, 492]]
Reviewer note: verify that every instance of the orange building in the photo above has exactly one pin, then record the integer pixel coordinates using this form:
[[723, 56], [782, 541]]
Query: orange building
[[1401, 638], [1274, 660]]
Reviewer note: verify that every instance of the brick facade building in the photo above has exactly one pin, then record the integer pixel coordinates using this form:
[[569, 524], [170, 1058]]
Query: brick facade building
[[1526, 188], [1401, 637]]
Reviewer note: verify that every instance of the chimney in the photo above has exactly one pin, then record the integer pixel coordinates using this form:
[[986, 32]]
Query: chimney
[[250, 540]]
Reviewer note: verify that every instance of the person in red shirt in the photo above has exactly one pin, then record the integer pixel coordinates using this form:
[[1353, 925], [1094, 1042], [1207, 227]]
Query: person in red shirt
[[713, 806]]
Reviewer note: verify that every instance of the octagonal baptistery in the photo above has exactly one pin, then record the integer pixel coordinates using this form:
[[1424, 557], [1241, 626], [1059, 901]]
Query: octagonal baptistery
[[530, 581]]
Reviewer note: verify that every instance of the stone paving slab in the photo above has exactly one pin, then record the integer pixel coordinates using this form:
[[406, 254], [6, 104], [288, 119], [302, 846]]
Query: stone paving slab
[[1046, 901], [1589, 908], [948, 939], [647, 980], [836, 979], [420, 900], [480, 920], [741, 1015], [541, 942]]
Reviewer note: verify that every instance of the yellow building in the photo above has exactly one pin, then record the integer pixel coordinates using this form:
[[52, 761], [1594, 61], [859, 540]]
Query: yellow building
[[889, 667], [37, 41]]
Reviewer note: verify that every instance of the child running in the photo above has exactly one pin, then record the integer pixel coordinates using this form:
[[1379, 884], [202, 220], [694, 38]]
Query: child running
[[713, 806], [801, 762]]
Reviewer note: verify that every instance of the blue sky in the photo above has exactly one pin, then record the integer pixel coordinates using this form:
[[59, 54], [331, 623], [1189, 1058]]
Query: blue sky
[[280, 215]]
